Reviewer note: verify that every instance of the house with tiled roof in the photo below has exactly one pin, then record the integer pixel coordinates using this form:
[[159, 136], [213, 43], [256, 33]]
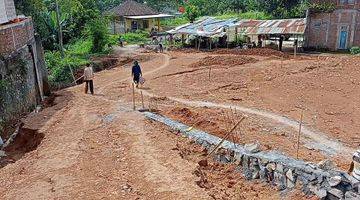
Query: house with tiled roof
[[131, 16]]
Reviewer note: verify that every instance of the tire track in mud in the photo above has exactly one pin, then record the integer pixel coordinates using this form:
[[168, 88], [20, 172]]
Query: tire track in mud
[[315, 139]]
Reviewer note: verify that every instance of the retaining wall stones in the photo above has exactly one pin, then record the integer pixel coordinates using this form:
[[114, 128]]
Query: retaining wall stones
[[274, 167]]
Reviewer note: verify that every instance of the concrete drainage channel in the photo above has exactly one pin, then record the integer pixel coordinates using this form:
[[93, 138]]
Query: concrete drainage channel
[[274, 167]]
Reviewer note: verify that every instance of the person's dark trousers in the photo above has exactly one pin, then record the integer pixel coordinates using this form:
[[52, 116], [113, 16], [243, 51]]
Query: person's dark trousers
[[91, 83]]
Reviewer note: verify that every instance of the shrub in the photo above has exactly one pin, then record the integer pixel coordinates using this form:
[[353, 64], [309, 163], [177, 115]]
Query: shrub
[[136, 37], [174, 22], [245, 15], [80, 47], [355, 50], [192, 12], [98, 31]]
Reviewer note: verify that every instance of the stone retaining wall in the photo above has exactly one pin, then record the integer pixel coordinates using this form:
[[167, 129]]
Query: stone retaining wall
[[274, 167]]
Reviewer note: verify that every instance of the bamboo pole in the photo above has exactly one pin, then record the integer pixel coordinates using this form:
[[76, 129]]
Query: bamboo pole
[[299, 135], [133, 96], [226, 137]]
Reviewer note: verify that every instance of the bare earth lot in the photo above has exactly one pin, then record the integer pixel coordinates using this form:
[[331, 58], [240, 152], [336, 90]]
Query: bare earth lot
[[96, 147]]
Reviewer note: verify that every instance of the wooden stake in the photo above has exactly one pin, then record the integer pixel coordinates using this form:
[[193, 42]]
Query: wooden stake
[[133, 96], [226, 137], [142, 100], [299, 135]]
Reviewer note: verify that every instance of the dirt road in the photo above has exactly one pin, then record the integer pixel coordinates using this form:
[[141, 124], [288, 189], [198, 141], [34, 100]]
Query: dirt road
[[96, 147]]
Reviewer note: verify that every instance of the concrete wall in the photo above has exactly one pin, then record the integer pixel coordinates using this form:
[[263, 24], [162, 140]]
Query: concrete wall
[[23, 74], [324, 29], [120, 26]]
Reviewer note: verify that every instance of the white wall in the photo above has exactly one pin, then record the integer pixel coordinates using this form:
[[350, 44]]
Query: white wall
[[7, 11]]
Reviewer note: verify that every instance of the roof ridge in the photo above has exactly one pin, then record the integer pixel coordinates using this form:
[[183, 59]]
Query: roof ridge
[[132, 8]]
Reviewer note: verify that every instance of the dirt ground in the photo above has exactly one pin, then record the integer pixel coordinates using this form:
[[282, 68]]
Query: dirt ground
[[97, 147]]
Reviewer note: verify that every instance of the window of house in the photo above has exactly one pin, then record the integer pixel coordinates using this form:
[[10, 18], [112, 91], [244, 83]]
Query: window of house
[[145, 24], [343, 2]]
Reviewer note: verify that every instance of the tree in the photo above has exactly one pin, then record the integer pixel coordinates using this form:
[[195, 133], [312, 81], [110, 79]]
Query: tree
[[192, 12], [98, 31]]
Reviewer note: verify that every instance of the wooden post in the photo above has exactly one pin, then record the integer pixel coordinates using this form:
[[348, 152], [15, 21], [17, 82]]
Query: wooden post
[[142, 100], [299, 135], [210, 40], [158, 21], [199, 43], [72, 73], [236, 35], [133, 96]]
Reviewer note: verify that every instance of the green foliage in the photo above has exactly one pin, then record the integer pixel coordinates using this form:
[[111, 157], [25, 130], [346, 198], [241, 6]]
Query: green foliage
[[21, 66], [3, 85], [59, 71], [355, 50], [245, 15], [192, 12], [323, 7], [99, 33], [135, 37], [174, 22]]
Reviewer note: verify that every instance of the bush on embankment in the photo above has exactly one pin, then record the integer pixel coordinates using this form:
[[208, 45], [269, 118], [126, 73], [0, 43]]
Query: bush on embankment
[[355, 50]]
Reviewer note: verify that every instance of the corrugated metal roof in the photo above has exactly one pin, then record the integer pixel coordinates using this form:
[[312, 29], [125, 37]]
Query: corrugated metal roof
[[279, 26], [210, 27], [205, 27]]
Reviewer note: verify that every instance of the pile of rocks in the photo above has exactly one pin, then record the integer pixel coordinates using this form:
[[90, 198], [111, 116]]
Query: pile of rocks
[[285, 172]]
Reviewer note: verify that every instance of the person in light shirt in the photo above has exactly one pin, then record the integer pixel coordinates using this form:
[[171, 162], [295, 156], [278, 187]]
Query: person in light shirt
[[88, 78]]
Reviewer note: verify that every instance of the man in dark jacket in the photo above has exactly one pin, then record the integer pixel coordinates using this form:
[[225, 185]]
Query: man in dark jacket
[[136, 73]]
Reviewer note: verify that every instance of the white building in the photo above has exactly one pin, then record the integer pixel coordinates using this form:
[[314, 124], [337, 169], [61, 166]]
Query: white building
[[7, 11]]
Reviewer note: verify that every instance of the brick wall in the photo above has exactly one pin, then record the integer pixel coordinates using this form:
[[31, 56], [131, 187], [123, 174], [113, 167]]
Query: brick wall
[[323, 29], [15, 35]]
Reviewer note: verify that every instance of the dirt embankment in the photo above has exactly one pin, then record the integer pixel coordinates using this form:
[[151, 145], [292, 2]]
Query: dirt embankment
[[253, 52], [252, 130], [224, 61]]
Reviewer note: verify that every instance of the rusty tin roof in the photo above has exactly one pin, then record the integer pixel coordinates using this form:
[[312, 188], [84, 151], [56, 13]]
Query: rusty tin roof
[[278, 26]]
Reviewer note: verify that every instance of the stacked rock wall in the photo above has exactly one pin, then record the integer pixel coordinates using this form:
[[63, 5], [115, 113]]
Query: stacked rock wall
[[274, 167]]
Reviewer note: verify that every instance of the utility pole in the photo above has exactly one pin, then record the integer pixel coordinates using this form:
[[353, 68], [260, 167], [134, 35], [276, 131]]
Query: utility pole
[[60, 35]]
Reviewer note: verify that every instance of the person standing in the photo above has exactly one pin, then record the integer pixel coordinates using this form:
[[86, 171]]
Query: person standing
[[161, 48], [88, 78], [136, 73], [281, 41]]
